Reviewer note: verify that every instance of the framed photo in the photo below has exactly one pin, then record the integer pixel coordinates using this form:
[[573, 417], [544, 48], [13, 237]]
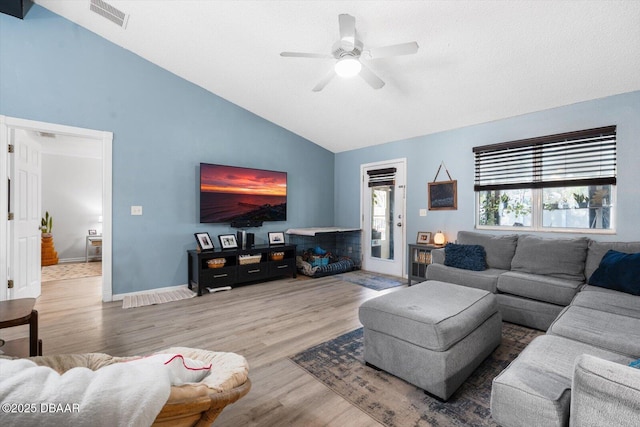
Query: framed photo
[[92, 233], [276, 238], [443, 195], [424, 238], [204, 241], [228, 241]]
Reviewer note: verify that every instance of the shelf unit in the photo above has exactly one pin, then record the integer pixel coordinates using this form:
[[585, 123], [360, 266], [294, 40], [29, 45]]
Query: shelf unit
[[233, 273], [418, 260]]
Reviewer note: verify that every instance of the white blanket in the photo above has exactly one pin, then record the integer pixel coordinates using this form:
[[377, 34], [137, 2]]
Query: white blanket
[[121, 394]]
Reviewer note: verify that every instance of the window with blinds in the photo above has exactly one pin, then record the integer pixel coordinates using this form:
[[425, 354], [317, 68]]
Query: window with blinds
[[560, 181], [576, 158], [382, 177]]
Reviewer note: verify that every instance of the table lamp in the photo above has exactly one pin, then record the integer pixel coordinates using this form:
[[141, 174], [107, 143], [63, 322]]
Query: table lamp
[[439, 238]]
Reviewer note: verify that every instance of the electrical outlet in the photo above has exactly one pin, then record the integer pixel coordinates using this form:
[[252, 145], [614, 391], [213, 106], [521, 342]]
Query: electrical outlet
[[136, 210], [423, 212]]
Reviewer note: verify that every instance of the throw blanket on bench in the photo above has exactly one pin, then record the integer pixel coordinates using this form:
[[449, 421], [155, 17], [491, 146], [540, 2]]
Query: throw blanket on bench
[[121, 394]]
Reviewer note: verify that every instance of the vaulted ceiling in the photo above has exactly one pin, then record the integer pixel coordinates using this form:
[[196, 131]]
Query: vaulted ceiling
[[478, 61]]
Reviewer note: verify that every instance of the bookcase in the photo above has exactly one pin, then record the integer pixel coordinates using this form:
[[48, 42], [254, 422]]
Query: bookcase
[[419, 258]]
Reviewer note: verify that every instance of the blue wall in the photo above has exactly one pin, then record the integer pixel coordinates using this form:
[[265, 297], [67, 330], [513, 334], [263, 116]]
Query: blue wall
[[52, 70], [425, 153]]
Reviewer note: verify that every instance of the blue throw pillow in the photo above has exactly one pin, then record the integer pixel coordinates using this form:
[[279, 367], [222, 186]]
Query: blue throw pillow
[[635, 364], [467, 257], [618, 271]]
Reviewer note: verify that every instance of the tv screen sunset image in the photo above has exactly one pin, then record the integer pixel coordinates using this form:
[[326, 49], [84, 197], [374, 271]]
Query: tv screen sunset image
[[229, 193]]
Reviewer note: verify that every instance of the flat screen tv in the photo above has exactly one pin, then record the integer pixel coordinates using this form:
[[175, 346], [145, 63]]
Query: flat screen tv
[[230, 193]]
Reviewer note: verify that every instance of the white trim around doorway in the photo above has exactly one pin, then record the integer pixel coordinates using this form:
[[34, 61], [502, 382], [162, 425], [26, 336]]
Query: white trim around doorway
[[106, 138]]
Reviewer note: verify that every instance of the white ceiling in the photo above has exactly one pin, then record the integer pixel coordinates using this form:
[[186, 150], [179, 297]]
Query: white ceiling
[[478, 61]]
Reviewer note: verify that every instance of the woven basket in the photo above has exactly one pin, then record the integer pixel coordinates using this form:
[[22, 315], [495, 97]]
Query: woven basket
[[249, 259], [201, 411], [277, 256], [216, 262]]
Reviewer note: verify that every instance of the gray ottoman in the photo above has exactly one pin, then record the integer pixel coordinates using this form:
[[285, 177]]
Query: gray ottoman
[[432, 335]]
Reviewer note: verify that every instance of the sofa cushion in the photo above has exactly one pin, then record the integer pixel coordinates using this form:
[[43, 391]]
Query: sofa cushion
[[604, 393], [499, 249], [535, 389], [528, 312], [561, 258], [466, 257], [486, 280], [610, 301], [598, 249], [598, 328], [618, 271], [541, 288]]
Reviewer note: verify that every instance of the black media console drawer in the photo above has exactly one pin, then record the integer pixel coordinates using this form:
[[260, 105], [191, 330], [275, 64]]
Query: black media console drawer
[[251, 272], [218, 277], [285, 266]]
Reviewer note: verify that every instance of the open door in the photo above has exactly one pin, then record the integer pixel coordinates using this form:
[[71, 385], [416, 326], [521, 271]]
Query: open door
[[24, 230]]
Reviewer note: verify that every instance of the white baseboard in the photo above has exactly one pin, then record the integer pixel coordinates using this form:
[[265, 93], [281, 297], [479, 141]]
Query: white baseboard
[[120, 297], [82, 259]]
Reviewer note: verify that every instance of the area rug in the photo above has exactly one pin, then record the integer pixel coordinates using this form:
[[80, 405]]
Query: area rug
[[339, 364], [160, 297], [370, 280], [74, 270]]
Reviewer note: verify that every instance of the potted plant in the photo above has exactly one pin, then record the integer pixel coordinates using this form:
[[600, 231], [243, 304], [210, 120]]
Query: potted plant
[[46, 224], [48, 253], [581, 200]]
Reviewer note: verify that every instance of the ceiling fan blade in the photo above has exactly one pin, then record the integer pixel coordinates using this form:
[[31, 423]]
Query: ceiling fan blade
[[394, 50], [369, 77], [305, 55], [324, 81], [347, 31]]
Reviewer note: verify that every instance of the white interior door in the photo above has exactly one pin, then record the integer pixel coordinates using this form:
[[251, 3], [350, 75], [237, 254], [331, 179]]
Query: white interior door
[[25, 175], [383, 212]]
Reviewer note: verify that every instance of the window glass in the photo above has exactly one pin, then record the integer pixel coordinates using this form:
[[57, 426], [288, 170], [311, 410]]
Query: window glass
[[578, 207], [505, 208]]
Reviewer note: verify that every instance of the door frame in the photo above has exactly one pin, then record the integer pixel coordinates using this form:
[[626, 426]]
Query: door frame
[[106, 138], [363, 187]]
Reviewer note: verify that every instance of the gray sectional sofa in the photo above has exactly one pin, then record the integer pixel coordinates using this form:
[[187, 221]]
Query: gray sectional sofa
[[577, 374]]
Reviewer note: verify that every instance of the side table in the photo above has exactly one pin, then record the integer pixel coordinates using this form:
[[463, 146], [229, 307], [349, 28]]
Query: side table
[[91, 240], [20, 312], [419, 258]]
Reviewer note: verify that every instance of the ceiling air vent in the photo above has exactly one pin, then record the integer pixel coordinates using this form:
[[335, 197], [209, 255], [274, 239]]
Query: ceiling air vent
[[113, 14]]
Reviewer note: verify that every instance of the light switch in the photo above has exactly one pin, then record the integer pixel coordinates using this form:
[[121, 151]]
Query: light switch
[[136, 210], [423, 212]]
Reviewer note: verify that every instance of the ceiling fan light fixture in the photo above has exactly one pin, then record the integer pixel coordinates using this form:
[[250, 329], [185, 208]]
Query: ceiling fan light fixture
[[348, 67]]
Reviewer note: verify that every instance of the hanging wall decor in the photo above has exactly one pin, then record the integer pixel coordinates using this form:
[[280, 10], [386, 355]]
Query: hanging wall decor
[[443, 195]]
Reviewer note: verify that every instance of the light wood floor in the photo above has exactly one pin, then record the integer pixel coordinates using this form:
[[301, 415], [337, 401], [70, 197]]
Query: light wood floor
[[265, 322]]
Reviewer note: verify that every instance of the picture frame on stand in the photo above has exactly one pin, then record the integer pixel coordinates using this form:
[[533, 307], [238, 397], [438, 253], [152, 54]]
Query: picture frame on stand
[[228, 241], [276, 238], [424, 238], [204, 241]]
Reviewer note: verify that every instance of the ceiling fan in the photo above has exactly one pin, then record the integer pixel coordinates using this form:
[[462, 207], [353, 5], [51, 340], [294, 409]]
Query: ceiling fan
[[347, 52]]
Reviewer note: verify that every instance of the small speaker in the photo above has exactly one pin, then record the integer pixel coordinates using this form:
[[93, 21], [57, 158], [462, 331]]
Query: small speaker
[[250, 240], [241, 235]]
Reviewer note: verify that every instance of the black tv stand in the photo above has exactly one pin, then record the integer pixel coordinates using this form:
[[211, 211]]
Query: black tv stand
[[235, 273]]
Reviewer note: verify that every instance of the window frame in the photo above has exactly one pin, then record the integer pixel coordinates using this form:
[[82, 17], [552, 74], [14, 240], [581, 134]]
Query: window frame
[[537, 187]]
